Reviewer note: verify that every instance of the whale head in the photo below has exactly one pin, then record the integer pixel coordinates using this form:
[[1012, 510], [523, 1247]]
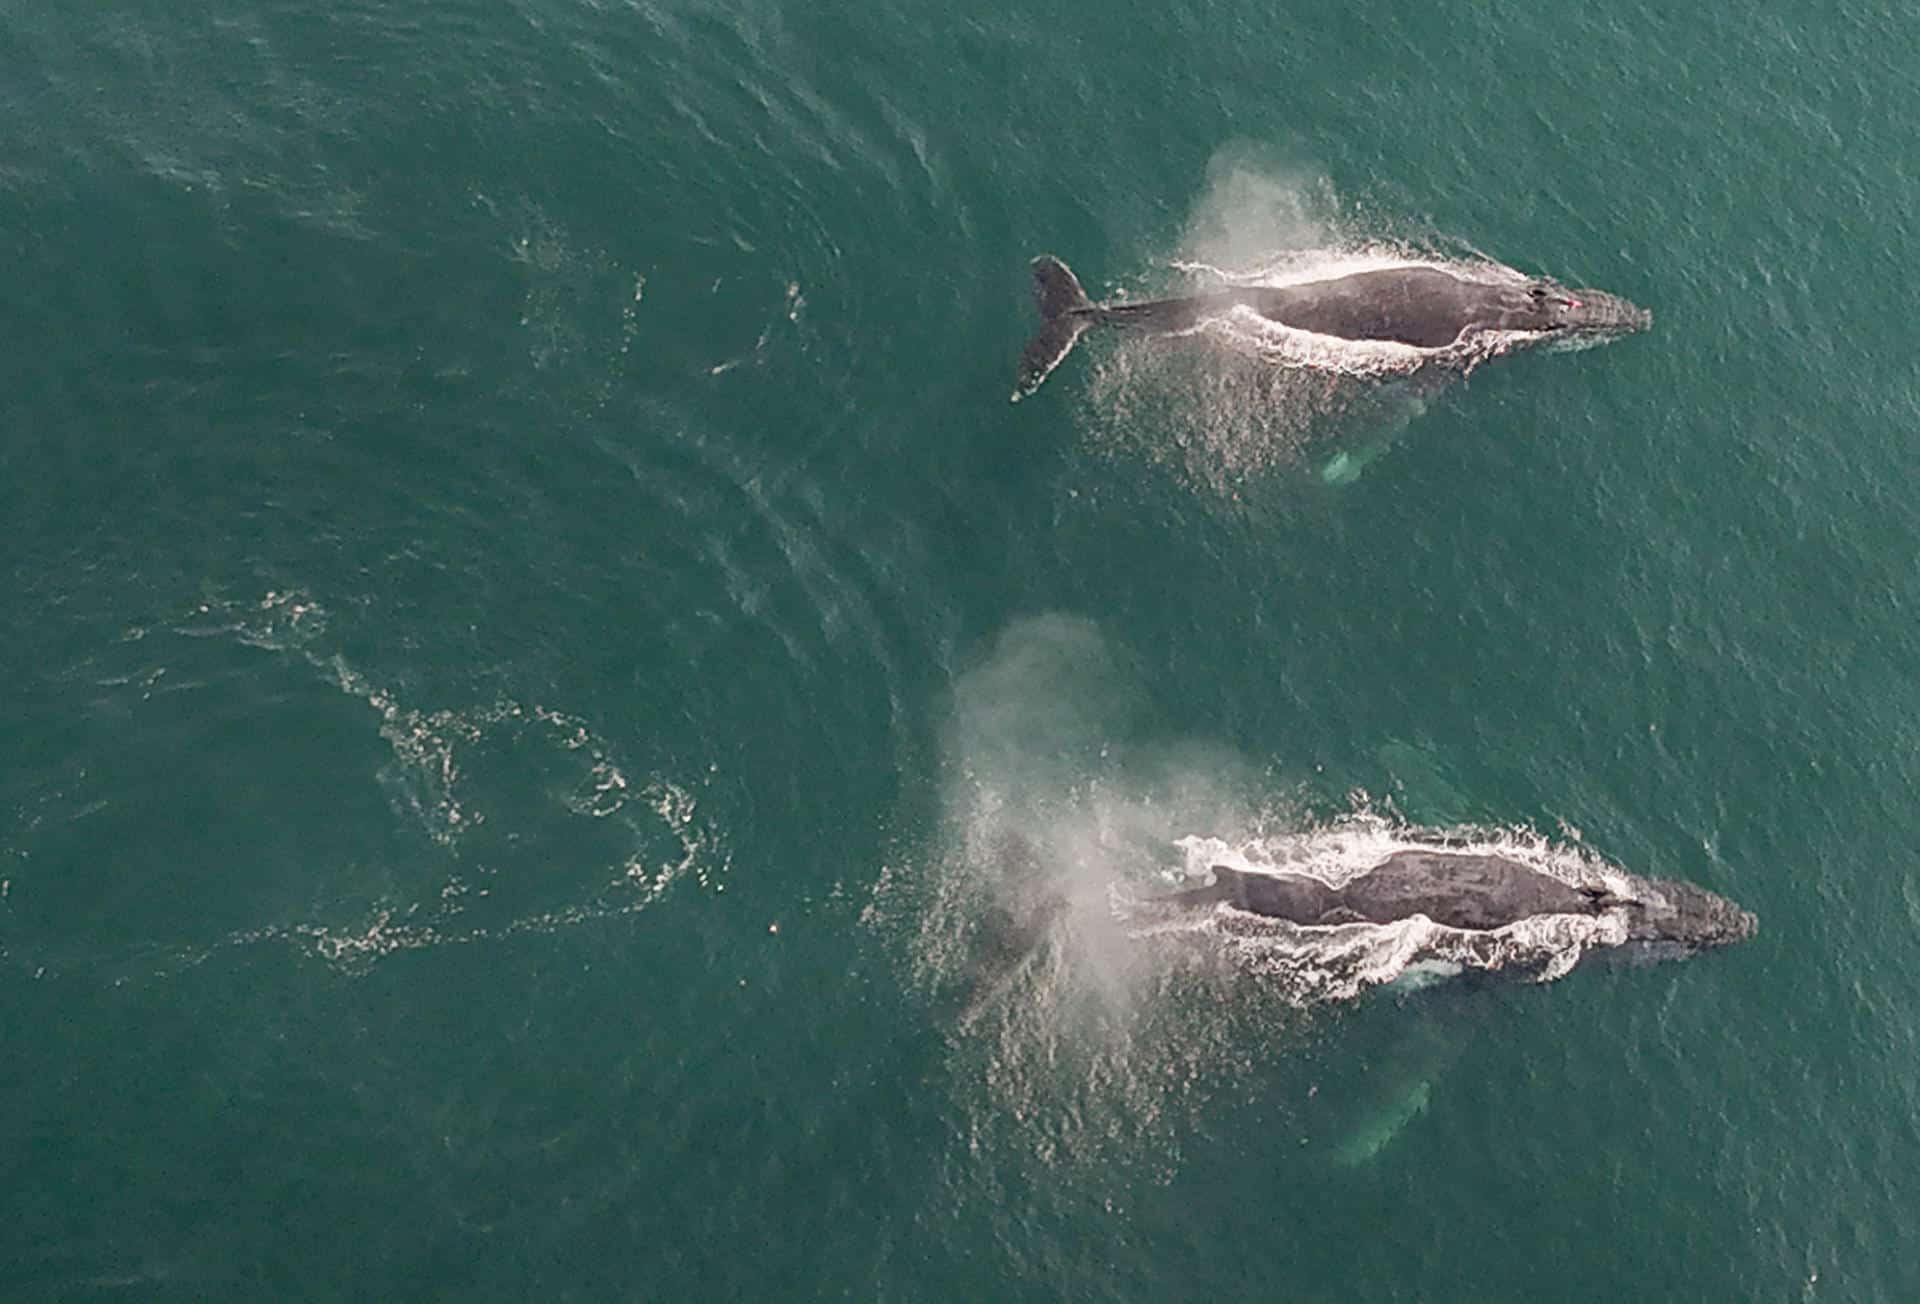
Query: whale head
[[1575, 319], [1683, 918]]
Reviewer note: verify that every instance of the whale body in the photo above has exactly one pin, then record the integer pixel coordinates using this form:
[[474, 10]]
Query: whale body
[[1426, 308], [1470, 893]]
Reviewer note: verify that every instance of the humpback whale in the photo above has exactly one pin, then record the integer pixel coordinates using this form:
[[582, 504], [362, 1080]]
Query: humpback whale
[[1441, 312], [1478, 895]]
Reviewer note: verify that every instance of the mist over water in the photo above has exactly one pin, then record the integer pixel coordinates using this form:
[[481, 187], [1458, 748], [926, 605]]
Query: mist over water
[[1064, 1031], [1257, 213]]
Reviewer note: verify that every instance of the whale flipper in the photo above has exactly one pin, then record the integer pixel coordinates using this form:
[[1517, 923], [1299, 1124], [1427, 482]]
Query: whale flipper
[[1065, 311]]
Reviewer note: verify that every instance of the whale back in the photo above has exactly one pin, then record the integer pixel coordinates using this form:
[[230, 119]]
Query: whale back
[[1459, 891], [1421, 306]]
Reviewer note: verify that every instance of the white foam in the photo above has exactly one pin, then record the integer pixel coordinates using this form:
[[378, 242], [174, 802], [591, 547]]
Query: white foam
[[660, 832]]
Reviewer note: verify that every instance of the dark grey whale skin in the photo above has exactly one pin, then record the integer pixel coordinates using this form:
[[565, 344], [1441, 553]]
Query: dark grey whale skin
[[1425, 307], [1479, 893], [1422, 306]]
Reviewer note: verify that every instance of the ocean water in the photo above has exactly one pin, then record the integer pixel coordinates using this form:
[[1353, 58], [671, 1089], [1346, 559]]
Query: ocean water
[[560, 738]]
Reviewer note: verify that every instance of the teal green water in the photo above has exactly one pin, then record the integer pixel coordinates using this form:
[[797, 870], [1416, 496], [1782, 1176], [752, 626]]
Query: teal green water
[[526, 610]]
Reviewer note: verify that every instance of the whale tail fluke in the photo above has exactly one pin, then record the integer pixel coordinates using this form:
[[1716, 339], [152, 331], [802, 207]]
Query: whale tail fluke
[[1056, 290], [1065, 311]]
